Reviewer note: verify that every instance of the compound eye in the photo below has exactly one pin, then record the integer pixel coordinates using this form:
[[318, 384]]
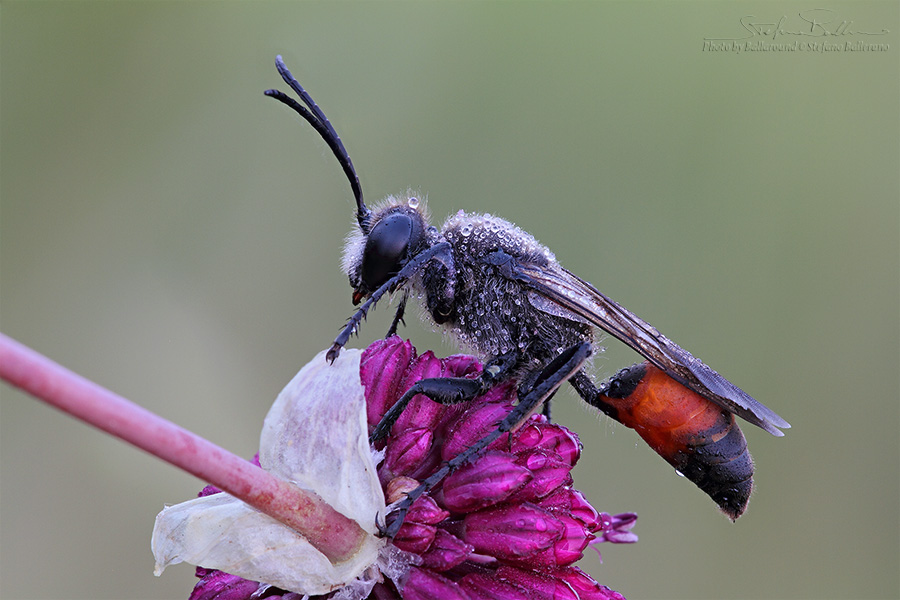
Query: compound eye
[[386, 248]]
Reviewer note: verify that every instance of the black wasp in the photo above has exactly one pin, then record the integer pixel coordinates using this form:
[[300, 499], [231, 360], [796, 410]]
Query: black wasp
[[502, 294]]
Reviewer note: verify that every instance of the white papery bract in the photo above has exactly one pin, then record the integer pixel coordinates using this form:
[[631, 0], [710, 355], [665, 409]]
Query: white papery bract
[[315, 437]]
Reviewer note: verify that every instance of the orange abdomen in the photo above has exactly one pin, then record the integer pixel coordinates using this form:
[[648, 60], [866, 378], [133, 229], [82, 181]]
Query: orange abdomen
[[697, 437]]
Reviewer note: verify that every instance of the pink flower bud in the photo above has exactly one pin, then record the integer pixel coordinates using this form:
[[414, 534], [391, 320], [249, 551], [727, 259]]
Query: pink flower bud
[[483, 587], [572, 502], [548, 472], [512, 532], [424, 584], [568, 548], [474, 424], [491, 479], [540, 585], [586, 587], [408, 452], [548, 437], [446, 552]]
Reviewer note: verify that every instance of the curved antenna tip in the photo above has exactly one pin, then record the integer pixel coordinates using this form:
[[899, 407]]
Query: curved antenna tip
[[313, 115]]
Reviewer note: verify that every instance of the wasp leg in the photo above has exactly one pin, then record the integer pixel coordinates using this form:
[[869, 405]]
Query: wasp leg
[[401, 278], [551, 377], [696, 436], [448, 390], [444, 390], [398, 316], [527, 384], [546, 409]]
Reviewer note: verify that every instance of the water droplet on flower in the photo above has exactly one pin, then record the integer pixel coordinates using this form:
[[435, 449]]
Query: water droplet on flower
[[413, 202], [466, 230]]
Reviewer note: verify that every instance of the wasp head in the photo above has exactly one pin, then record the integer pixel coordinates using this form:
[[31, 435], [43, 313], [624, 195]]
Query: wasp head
[[396, 232]]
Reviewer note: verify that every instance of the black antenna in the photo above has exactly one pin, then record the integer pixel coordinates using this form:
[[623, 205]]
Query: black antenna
[[315, 117]]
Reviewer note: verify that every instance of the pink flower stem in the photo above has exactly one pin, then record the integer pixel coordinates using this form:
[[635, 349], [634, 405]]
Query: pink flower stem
[[333, 534]]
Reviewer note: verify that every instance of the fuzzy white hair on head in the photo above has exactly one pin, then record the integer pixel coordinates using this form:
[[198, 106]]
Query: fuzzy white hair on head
[[354, 246]]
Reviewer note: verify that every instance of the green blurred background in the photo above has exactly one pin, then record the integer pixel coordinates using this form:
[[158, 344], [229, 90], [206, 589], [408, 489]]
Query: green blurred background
[[172, 234]]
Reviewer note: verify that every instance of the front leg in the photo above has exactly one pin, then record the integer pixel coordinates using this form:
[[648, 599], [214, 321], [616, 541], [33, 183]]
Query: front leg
[[398, 316], [397, 281]]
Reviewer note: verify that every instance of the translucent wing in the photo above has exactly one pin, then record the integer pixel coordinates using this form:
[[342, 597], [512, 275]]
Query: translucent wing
[[587, 303]]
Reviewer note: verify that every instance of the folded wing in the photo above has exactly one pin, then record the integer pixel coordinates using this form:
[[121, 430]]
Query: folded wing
[[586, 303]]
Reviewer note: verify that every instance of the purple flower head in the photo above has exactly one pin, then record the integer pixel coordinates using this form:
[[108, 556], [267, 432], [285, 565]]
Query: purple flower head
[[508, 525]]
